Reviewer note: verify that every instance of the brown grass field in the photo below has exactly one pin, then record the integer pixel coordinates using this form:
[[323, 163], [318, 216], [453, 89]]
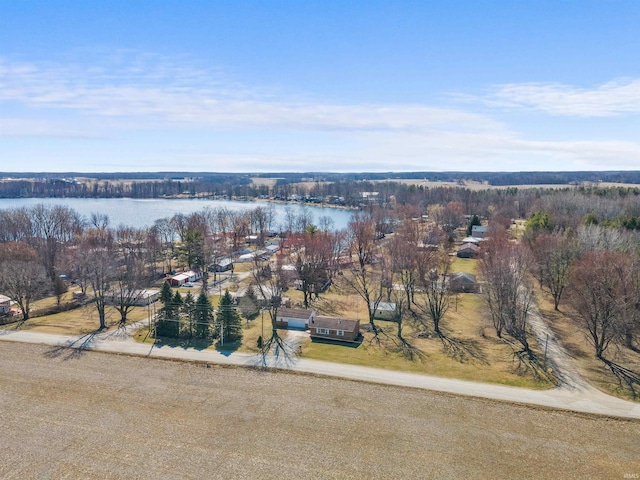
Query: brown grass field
[[94, 415]]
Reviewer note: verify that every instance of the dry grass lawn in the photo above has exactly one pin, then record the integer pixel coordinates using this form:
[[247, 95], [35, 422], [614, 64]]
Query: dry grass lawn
[[79, 321], [576, 343], [482, 356], [468, 265]]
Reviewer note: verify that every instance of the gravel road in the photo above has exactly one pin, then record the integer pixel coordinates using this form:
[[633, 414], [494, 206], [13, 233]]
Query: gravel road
[[71, 414]]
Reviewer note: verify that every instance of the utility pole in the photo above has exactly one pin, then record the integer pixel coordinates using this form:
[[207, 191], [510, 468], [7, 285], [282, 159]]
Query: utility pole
[[262, 328], [222, 333]]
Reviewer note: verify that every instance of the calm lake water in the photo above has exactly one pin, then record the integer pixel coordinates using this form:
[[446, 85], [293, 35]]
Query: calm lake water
[[143, 212]]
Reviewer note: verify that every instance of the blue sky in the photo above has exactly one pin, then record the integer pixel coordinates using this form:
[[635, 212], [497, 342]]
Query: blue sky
[[319, 86]]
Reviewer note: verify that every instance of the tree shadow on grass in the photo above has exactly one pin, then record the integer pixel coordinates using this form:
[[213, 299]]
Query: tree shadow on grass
[[328, 341], [325, 306], [184, 343], [463, 350], [16, 324], [228, 348], [75, 348], [400, 344], [627, 379], [528, 362]]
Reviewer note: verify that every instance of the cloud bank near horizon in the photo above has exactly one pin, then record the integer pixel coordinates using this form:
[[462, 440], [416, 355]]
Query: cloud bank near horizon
[[147, 111]]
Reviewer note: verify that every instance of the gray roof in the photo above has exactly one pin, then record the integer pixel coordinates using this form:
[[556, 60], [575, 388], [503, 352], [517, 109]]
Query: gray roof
[[463, 275], [295, 313], [385, 306], [335, 323]]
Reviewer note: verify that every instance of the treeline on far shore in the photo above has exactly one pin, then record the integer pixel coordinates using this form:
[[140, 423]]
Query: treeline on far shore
[[349, 189]]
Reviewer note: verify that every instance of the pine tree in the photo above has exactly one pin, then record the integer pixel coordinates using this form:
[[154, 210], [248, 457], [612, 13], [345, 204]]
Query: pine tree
[[228, 319], [166, 313], [475, 221], [187, 310], [173, 326], [165, 295], [203, 316], [249, 303]]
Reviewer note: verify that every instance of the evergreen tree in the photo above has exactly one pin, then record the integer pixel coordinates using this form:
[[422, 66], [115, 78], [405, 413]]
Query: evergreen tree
[[188, 310], [173, 326], [166, 313], [165, 295], [203, 316], [249, 303], [228, 320], [475, 221]]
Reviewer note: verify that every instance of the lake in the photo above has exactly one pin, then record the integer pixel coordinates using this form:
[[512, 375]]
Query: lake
[[143, 212]]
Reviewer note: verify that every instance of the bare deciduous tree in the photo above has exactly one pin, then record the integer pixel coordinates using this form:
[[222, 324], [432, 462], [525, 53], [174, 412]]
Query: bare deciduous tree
[[53, 226], [312, 263], [99, 254], [362, 277], [554, 254], [435, 297], [22, 276], [598, 297], [271, 280], [507, 291]]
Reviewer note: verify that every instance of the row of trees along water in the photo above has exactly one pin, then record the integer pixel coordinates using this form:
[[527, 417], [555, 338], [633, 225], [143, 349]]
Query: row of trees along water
[[573, 245], [344, 189]]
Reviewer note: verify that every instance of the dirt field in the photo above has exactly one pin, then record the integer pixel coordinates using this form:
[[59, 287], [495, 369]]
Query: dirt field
[[102, 416]]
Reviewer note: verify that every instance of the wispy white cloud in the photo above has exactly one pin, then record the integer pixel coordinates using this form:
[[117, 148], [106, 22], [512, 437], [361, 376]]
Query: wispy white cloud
[[609, 99], [158, 93], [147, 108]]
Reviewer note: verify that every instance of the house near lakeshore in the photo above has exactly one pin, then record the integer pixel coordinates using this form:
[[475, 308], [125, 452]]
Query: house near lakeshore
[[479, 231], [335, 328], [246, 257], [271, 249], [262, 295], [463, 282], [468, 250], [296, 318], [180, 279], [5, 305], [223, 265], [474, 240], [135, 298]]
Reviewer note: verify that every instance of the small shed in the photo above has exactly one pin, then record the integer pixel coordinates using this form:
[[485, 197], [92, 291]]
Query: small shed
[[297, 318], [468, 250], [335, 328], [463, 282], [385, 310]]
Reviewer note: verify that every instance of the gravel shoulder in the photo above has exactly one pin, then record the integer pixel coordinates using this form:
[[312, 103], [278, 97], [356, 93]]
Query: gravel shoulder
[[80, 414]]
